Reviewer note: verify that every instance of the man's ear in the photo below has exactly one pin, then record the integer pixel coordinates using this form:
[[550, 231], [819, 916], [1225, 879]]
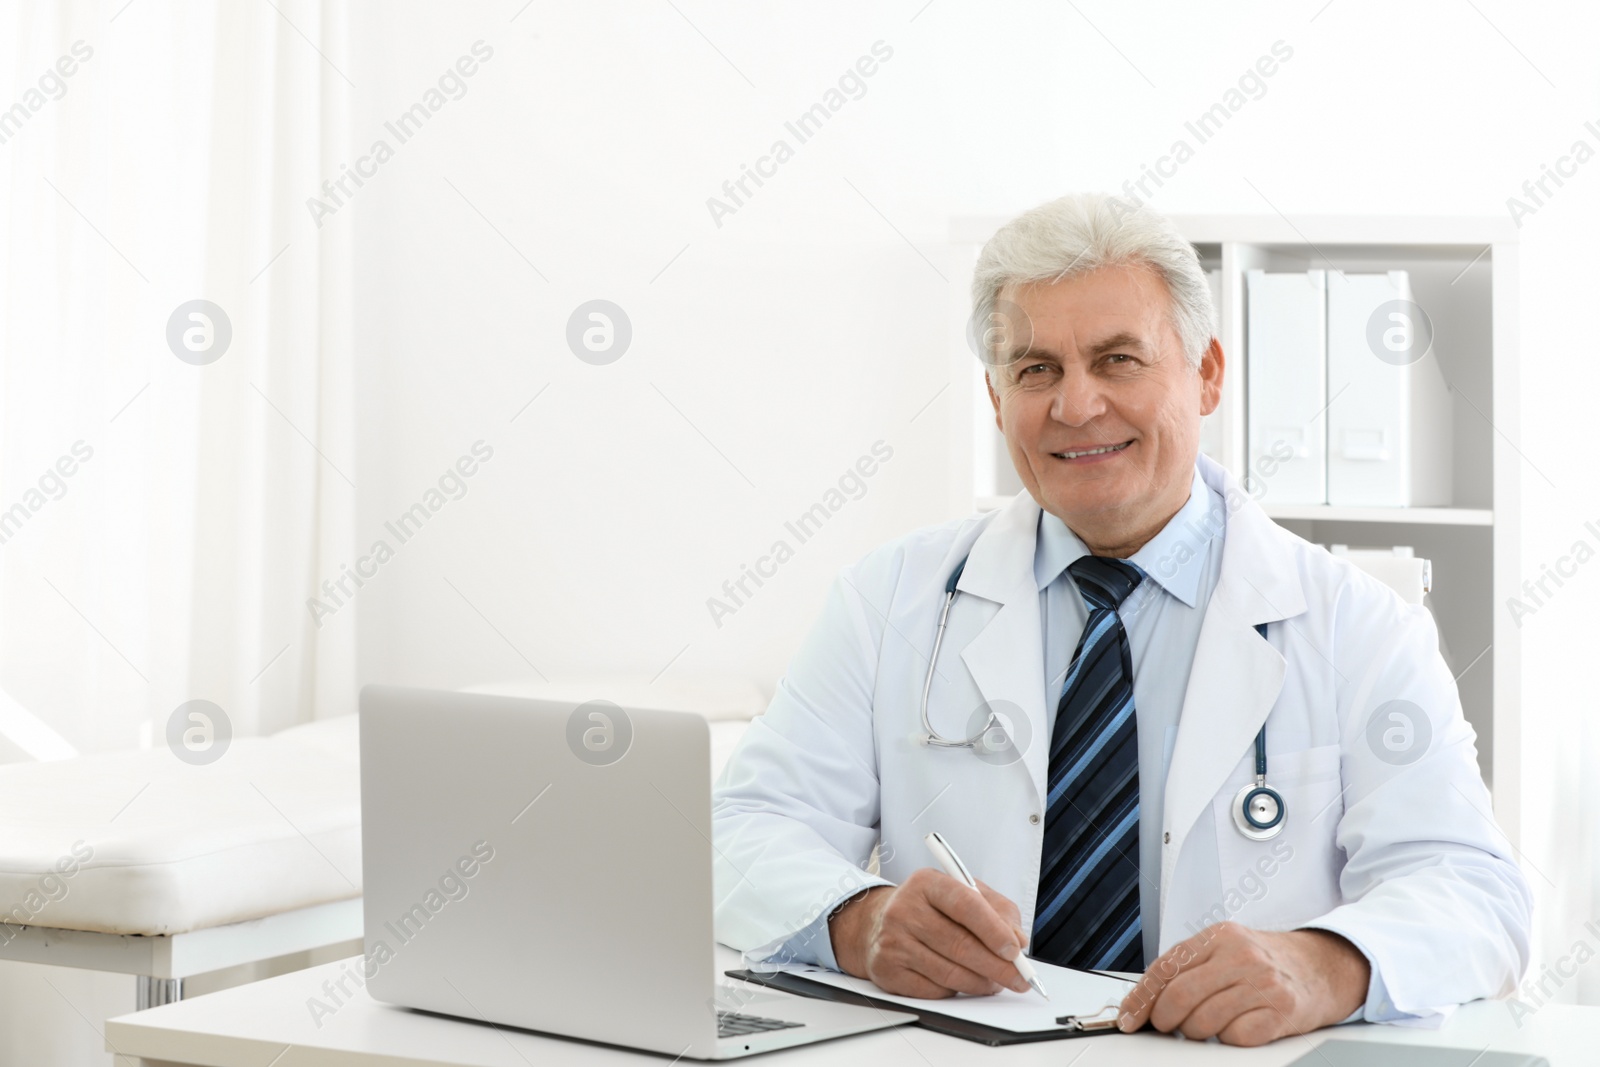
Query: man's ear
[[993, 399], [1212, 363]]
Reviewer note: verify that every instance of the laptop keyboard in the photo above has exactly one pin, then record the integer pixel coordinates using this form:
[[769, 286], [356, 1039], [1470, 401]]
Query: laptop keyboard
[[737, 1024]]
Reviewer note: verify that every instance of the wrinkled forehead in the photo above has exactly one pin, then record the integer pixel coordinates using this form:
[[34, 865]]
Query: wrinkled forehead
[[1089, 315]]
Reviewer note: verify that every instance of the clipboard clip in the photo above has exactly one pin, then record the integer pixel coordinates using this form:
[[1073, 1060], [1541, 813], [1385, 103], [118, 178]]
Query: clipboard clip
[[1084, 1024]]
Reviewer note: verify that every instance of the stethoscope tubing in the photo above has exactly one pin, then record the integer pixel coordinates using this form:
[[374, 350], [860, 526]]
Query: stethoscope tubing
[[1244, 816]]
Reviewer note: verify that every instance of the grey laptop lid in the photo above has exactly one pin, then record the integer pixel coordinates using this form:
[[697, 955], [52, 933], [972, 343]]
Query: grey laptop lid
[[475, 811], [1382, 1054]]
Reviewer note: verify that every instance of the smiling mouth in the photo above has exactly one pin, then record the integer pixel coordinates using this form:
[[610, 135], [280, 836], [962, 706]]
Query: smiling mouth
[[1092, 451]]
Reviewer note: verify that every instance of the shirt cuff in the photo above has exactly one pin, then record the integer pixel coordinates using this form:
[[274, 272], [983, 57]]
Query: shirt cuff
[[814, 943], [1378, 1008]]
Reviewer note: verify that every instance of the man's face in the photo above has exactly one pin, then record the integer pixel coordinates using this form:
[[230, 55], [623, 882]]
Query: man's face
[[1093, 363]]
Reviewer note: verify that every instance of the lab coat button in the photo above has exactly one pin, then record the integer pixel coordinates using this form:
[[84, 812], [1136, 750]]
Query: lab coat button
[[1166, 839], [1034, 818]]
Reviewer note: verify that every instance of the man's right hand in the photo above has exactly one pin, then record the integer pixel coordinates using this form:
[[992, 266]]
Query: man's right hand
[[930, 937]]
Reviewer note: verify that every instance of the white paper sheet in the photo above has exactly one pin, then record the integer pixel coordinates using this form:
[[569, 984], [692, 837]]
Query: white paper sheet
[[1072, 992]]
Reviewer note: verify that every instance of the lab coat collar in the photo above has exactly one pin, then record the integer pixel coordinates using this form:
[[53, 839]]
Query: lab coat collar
[[1006, 657], [1000, 563], [1259, 581], [1174, 558]]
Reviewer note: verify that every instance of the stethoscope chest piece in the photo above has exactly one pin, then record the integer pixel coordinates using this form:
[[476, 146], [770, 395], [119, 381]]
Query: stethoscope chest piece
[[1258, 809], [1258, 812]]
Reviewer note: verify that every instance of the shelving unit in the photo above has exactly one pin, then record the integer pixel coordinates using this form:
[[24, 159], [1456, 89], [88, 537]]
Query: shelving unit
[[1464, 273]]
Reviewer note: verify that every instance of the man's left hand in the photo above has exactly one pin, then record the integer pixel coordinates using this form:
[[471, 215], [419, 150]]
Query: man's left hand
[[1249, 987]]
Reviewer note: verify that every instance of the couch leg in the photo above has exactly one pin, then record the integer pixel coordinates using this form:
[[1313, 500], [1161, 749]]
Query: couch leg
[[153, 992]]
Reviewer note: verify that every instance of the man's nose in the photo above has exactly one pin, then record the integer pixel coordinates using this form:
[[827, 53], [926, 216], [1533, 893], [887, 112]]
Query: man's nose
[[1079, 398]]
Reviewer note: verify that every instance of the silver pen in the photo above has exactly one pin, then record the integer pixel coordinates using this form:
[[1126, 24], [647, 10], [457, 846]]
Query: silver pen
[[956, 869]]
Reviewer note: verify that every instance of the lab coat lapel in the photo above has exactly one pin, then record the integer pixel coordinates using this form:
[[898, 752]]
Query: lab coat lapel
[[1236, 677], [1006, 658]]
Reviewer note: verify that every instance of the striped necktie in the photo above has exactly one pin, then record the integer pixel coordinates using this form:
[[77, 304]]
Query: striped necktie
[[1088, 905]]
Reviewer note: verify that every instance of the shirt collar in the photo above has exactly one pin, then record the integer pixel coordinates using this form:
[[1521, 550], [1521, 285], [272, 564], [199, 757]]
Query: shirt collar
[[1174, 557]]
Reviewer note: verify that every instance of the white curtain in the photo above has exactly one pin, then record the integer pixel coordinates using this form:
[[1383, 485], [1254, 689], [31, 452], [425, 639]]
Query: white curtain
[[164, 522]]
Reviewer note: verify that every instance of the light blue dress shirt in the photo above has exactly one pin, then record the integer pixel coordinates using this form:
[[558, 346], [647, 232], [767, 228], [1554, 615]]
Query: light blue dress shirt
[[1162, 618]]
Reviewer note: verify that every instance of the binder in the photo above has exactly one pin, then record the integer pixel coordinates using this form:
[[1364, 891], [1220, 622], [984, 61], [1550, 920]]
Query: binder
[[1286, 379], [1389, 431], [938, 1022]]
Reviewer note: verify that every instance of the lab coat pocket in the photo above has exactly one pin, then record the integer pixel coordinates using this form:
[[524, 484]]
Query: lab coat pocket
[[1294, 877]]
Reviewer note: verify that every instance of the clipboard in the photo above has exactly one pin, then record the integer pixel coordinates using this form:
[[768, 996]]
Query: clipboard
[[931, 1020]]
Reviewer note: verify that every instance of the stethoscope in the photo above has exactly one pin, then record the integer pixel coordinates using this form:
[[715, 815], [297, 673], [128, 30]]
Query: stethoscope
[[1258, 810]]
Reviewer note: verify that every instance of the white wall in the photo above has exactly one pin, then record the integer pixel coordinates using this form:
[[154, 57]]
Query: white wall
[[807, 326], [777, 348]]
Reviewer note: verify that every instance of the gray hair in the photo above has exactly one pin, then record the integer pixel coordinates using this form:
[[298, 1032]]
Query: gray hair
[[1085, 232]]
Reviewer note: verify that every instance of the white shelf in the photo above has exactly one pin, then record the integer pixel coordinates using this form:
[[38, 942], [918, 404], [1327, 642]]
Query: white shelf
[[1464, 270], [1424, 516], [1326, 513]]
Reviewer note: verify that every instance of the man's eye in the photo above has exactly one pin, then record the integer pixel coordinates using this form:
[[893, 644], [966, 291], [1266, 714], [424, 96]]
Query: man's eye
[[1115, 356], [1034, 367]]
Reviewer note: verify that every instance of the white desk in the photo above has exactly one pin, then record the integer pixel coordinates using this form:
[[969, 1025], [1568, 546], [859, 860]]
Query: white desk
[[268, 1022]]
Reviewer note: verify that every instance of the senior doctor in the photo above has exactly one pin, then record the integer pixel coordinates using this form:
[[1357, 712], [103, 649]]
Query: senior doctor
[[1121, 639]]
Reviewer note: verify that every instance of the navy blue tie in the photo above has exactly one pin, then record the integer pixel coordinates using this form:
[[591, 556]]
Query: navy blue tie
[[1088, 906]]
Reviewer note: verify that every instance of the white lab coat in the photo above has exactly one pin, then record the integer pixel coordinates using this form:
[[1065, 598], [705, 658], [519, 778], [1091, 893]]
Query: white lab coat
[[1399, 854]]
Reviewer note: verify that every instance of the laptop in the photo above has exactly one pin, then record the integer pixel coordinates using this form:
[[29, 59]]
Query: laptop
[[1384, 1054], [547, 865]]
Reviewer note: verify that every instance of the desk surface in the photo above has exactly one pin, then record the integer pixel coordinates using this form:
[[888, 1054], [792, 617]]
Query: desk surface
[[271, 1022]]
